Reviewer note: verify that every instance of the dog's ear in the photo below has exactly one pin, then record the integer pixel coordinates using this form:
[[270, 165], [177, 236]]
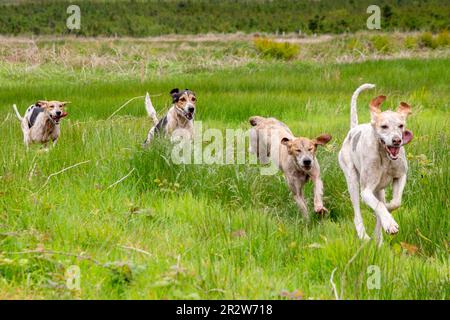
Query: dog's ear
[[286, 141], [174, 93], [407, 137], [375, 106], [404, 109], [323, 139], [41, 103]]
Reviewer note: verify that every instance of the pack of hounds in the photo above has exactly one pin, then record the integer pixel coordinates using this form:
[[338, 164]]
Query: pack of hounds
[[372, 155]]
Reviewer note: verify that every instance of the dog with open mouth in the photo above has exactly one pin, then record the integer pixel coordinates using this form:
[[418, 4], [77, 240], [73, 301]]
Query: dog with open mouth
[[272, 140], [372, 157], [179, 117], [41, 122]]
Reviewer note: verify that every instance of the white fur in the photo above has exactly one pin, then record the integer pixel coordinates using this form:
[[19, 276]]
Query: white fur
[[353, 109], [368, 168]]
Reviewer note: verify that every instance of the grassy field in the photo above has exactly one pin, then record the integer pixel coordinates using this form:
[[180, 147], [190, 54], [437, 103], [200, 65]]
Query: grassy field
[[200, 231]]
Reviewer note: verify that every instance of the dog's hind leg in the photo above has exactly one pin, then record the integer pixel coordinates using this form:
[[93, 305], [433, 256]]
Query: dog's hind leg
[[26, 134], [353, 188], [150, 135]]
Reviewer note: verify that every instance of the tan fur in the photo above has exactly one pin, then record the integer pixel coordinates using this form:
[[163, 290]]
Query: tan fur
[[274, 140], [45, 128]]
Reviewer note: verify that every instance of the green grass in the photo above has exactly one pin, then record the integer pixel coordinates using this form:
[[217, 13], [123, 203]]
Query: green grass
[[216, 231]]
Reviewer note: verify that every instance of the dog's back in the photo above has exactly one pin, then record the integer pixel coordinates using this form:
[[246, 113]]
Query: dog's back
[[265, 135]]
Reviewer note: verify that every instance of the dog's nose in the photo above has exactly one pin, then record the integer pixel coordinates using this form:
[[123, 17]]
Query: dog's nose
[[307, 162], [58, 113], [396, 141], [191, 109]]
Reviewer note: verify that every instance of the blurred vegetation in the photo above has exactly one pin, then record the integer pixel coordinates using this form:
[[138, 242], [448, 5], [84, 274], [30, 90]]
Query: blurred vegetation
[[278, 50], [157, 17]]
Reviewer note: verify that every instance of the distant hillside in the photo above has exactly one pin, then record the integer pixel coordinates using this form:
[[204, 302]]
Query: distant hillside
[[157, 17]]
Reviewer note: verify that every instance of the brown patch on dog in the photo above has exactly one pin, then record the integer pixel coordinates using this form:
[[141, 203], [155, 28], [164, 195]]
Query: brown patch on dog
[[185, 98], [323, 139], [404, 109], [305, 145], [375, 104]]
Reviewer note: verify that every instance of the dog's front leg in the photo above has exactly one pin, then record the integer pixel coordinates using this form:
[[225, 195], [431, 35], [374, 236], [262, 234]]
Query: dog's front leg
[[397, 192], [318, 194], [301, 203], [296, 187], [387, 221], [381, 195]]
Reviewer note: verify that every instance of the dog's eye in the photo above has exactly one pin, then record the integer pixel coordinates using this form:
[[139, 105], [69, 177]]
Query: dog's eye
[[310, 149], [400, 126], [298, 150], [193, 99], [384, 127], [183, 99]]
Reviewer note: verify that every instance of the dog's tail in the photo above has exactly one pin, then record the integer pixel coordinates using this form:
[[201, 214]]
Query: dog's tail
[[255, 120], [17, 113], [353, 109], [150, 109]]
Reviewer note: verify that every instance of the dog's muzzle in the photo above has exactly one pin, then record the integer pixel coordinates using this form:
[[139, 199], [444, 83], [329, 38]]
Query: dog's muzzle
[[189, 114], [393, 150], [57, 117]]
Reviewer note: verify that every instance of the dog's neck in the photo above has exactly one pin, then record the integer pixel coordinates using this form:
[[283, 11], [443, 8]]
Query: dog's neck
[[50, 122]]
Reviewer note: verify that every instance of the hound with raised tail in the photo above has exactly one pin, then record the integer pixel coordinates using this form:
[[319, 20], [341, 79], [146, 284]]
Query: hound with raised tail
[[179, 117], [40, 123], [372, 156], [295, 156]]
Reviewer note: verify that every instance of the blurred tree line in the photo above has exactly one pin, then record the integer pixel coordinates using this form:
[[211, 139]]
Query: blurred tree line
[[156, 17]]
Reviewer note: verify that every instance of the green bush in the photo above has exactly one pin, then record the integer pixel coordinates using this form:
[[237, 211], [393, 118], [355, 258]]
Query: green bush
[[410, 42], [443, 39], [427, 40], [278, 50], [355, 44], [381, 43]]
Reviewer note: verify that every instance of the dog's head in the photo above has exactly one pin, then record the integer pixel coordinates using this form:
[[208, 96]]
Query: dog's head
[[304, 150], [185, 102], [55, 109], [390, 126]]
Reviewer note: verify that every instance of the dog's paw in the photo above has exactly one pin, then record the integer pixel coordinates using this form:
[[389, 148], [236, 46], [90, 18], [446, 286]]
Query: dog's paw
[[389, 225], [363, 236], [321, 210]]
